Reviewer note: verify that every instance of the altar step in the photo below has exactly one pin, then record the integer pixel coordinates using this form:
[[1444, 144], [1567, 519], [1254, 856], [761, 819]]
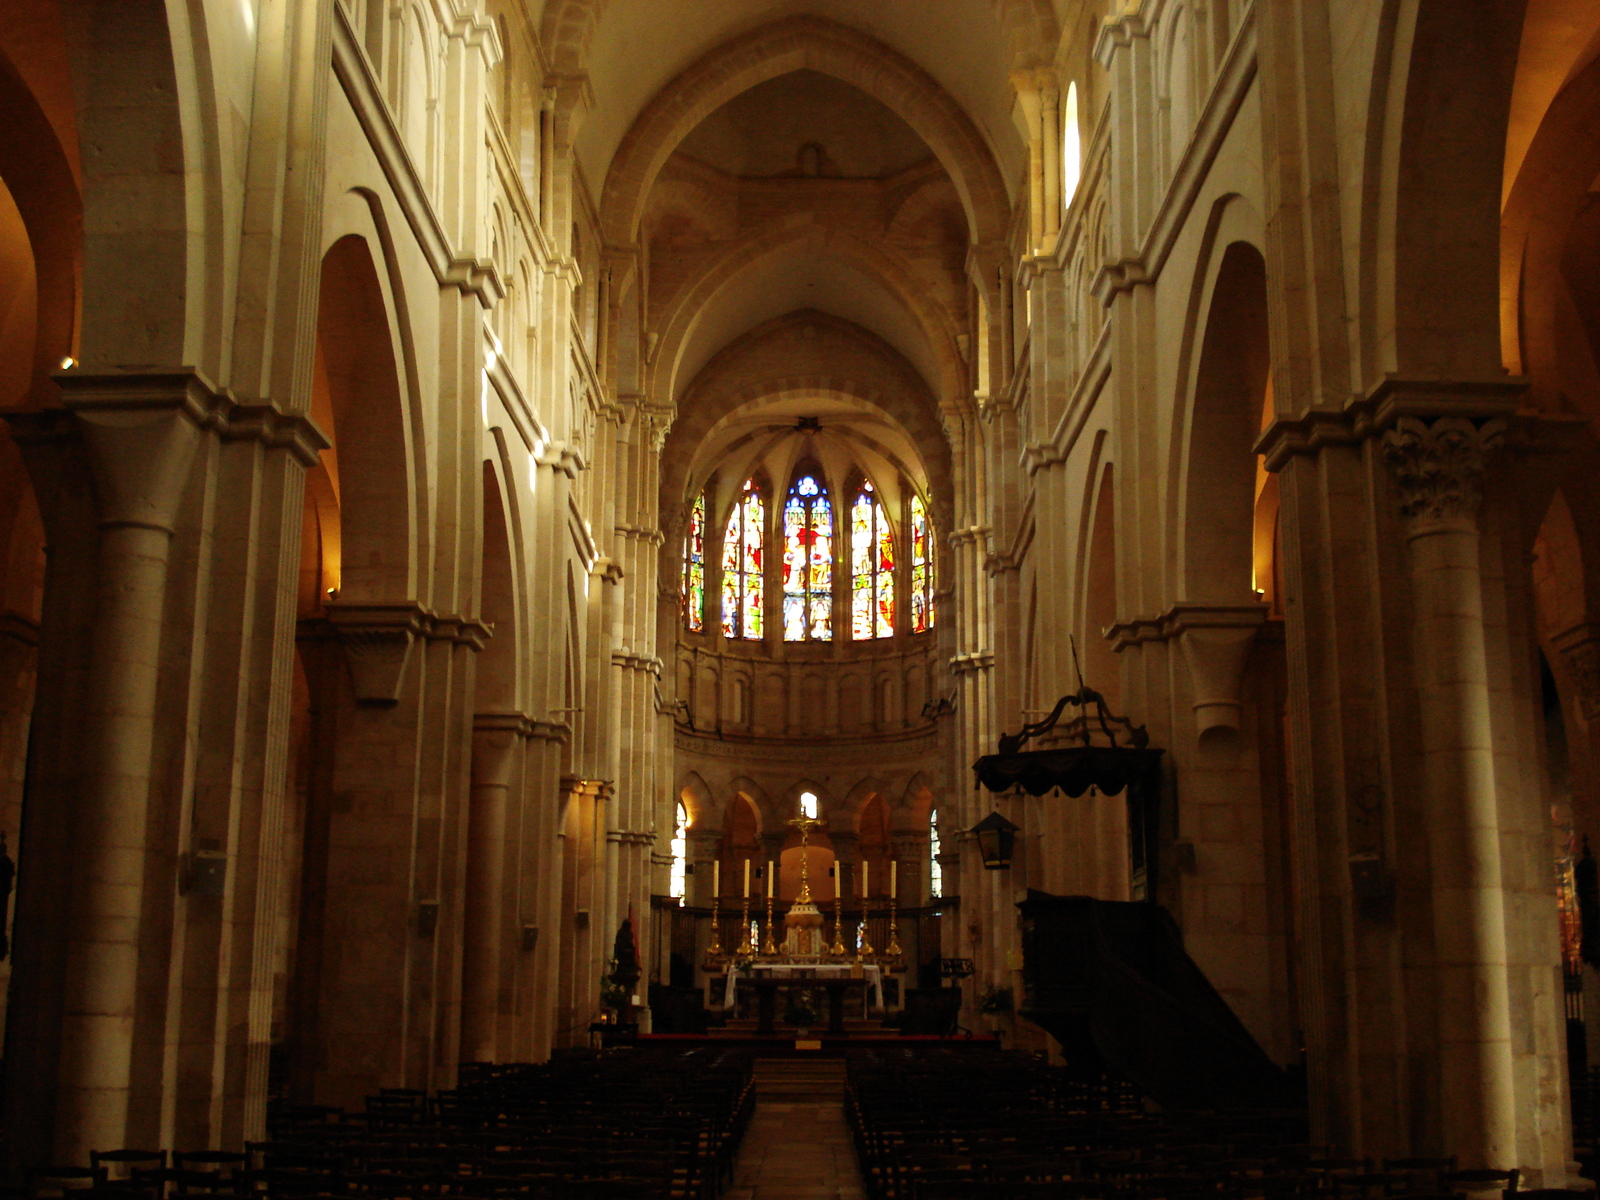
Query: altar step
[[799, 1080]]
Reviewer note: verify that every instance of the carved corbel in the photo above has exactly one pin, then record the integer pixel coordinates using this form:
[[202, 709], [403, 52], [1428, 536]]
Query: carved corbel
[[377, 640], [1216, 641]]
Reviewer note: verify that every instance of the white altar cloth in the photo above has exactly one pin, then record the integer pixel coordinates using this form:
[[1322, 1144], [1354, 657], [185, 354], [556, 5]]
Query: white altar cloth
[[872, 973]]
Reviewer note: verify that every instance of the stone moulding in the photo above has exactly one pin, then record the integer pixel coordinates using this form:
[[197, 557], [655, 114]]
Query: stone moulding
[[474, 277], [1394, 398]]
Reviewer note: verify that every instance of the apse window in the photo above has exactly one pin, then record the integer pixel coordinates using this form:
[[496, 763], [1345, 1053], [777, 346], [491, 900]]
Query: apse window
[[935, 871], [808, 805], [694, 567], [921, 567], [871, 568], [680, 856], [808, 562], [742, 545]]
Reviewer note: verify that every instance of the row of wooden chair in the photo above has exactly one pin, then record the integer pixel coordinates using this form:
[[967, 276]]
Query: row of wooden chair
[[622, 1125], [1011, 1128]]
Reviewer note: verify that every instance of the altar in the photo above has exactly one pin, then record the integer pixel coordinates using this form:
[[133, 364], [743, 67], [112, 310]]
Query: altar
[[869, 975], [804, 958]]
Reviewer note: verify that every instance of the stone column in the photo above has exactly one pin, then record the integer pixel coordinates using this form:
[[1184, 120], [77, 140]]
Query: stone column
[[141, 438], [1438, 471], [494, 743]]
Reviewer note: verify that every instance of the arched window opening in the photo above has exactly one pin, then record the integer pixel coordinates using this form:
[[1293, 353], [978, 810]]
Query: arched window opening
[[680, 855], [921, 567], [808, 805], [935, 871], [1071, 147], [694, 567], [808, 562], [741, 565], [871, 568]]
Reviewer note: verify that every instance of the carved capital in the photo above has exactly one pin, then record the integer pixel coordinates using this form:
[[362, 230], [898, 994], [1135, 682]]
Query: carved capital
[[1438, 467]]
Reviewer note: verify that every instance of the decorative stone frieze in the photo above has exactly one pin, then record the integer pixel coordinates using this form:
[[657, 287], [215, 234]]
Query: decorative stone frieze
[[1438, 467]]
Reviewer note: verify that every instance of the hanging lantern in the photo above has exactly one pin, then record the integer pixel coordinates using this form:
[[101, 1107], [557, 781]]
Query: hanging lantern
[[996, 837]]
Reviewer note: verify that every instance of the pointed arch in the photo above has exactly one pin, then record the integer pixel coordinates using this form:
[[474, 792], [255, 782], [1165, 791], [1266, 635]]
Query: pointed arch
[[792, 44], [944, 372]]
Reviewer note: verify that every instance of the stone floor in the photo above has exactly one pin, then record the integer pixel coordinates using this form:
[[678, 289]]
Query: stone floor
[[797, 1146], [796, 1151]]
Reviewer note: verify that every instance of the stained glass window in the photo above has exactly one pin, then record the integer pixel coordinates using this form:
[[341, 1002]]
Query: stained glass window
[[935, 870], [921, 567], [694, 567], [871, 568], [741, 565], [808, 562]]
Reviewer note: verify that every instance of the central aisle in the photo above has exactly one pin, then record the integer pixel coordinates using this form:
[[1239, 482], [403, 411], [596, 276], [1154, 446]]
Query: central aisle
[[797, 1146]]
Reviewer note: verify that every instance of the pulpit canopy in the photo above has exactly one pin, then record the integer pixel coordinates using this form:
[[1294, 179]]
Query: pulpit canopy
[[1094, 749]]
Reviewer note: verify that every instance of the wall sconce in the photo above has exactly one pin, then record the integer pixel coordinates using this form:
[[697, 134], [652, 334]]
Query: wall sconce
[[996, 838]]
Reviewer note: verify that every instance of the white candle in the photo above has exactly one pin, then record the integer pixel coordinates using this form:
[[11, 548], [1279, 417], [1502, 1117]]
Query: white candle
[[716, 878], [866, 874], [894, 875], [772, 877], [747, 879]]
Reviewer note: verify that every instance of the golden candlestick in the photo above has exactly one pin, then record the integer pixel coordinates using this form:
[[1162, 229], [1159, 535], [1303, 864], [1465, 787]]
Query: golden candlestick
[[837, 949], [805, 825], [746, 943], [715, 949], [866, 950], [769, 946], [893, 948]]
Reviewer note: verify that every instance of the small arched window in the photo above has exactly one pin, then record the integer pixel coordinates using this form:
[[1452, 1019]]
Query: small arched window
[[680, 855], [1071, 147], [935, 871], [921, 567], [808, 562], [741, 565], [808, 805], [694, 567], [871, 568]]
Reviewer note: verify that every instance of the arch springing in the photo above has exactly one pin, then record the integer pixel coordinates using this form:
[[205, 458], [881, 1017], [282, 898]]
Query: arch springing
[[871, 568], [808, 561], [694, 567], [742, 545], [921, 567]]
